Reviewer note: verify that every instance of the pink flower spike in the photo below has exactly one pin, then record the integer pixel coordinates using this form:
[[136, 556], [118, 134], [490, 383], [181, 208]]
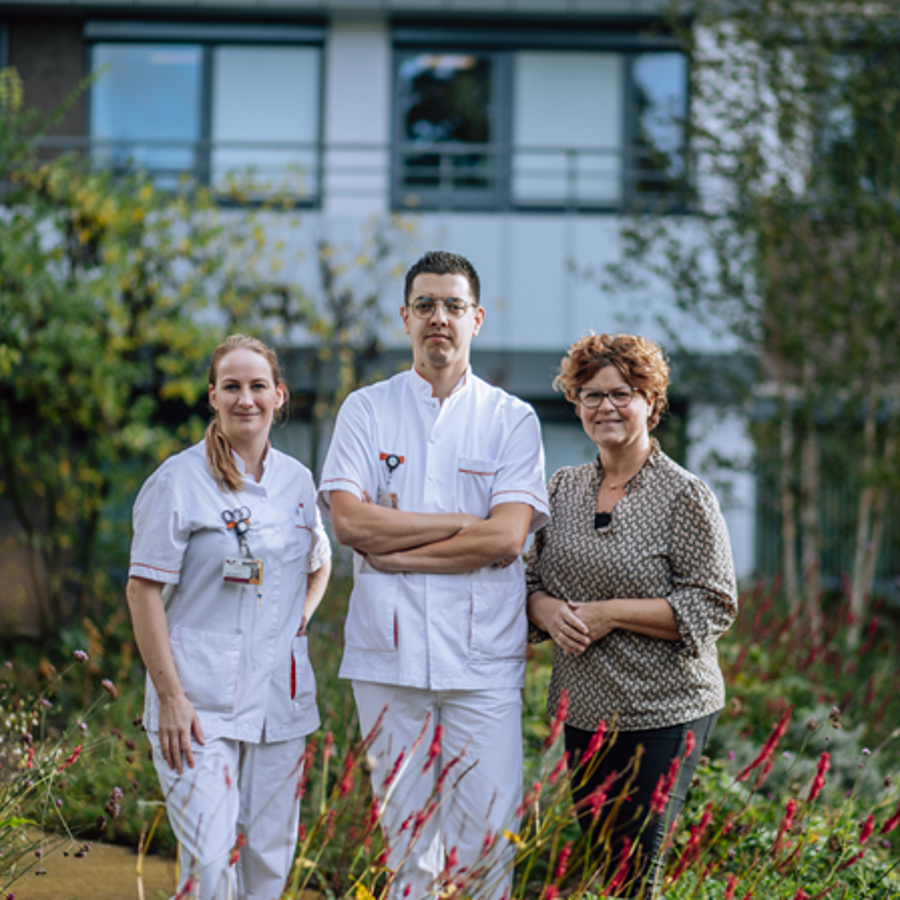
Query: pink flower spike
[[730, 887], [595, 743], [80, 656], [110, 688], [435, 749], [71, 759], [819, 779], [866, 829], [892, 822], [689, 743], [769, 747], [562, 713], [563, 861]]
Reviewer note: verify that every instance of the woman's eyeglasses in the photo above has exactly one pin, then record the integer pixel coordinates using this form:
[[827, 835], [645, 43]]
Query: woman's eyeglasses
[[619, 398]]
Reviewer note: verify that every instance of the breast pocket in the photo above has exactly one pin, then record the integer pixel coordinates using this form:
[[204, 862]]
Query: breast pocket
[[475, 484]]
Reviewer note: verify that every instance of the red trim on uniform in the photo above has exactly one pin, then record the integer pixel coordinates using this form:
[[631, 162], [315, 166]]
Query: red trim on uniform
[[346, 480], [476, 472], [155, 568], [541, 502], [293, 677]]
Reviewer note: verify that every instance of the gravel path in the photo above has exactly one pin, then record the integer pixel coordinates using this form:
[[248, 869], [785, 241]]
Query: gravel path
[[106, 872]]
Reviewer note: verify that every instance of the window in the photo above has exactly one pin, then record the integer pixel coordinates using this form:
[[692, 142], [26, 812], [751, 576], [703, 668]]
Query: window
[[525, 120], [209, 102]]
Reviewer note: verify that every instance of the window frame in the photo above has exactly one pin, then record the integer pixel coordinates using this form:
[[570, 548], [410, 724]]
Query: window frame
[[208, 36], [501, 43]]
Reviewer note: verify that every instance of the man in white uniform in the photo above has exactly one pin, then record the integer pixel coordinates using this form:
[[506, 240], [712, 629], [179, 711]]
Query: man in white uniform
[[435, 478]]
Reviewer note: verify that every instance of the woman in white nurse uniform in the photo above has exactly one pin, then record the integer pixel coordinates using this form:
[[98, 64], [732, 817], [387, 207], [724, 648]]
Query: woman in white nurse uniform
[[228, 563]]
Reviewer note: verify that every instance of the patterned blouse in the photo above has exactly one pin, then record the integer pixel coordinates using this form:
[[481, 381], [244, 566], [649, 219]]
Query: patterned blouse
[[666, 538]]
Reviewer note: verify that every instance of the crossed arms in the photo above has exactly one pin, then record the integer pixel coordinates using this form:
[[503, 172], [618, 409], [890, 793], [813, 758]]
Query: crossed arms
[[439, 543]]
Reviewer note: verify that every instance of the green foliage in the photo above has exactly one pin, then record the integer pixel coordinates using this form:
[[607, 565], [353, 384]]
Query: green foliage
[[747, 826]]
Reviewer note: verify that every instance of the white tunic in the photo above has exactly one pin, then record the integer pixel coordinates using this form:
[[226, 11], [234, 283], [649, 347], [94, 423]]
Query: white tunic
[[238, 659], [480, 448]]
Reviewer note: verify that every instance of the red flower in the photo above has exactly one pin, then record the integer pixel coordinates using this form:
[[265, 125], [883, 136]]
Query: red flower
[[729, 888], [892, 822], [563, 861], [866, 829], [664, 787], [595, 743], [434, 751], [849, 862], [70, 759], [622, 871], [562, 713], [689, 743], [769, 747], [801, 895], [559, 768], [789, 809], [393, 773], [692, 848], [236, 849], [452, 859], [551, 893], [819, 780], [30, 762]]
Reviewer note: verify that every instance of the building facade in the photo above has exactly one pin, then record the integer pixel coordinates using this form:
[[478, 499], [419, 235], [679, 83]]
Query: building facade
[[516, 132]]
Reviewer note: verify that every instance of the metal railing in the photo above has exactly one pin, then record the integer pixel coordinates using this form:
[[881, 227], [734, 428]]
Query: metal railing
[[414, 177]]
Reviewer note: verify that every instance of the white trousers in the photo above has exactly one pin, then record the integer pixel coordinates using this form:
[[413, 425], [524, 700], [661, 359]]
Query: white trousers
[[234, 788], [480, 794]]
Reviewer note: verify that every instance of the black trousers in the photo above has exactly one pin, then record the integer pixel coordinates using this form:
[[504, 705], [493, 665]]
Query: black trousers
[[606, 835]]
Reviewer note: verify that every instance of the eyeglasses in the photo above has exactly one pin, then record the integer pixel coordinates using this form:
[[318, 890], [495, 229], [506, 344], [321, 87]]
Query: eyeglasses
[[455, 309], [620, 397]]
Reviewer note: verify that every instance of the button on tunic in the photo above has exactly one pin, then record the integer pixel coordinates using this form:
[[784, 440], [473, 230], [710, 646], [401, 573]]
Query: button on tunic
[[480, 448], [239, 660]]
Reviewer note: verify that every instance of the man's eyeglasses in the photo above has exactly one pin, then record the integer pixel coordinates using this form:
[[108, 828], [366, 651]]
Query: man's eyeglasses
[[455, 309], [619, 398]]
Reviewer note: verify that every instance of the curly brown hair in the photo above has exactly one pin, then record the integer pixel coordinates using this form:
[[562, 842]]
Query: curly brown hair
[[642, 364]]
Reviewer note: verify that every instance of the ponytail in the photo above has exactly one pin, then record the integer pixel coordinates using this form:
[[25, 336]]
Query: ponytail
[[220, 459]]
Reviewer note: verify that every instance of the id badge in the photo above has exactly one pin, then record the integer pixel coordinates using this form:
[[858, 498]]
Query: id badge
[[388, 499], [240, 570]]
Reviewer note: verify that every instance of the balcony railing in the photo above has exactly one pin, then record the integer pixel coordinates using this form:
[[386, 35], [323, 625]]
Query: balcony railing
[[412, 177]]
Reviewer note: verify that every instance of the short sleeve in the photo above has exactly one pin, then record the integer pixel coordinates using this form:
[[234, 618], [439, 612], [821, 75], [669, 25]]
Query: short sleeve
[[160, 535], [348, 462], [704, 598], [320, 548], [520, 478]]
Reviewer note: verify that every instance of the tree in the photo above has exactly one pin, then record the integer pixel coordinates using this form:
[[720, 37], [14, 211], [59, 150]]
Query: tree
[[112, 295], [793, 245]]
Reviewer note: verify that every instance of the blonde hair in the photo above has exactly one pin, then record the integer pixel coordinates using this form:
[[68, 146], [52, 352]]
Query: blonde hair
[[641, 363], [219, 457]]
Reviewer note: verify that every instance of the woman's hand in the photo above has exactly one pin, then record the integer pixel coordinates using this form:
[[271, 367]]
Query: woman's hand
[[560, 621], [595, 617], [178, 721]]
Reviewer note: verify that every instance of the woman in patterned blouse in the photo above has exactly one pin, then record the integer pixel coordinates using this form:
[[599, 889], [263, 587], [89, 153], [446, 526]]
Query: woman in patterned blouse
[[633, 580]]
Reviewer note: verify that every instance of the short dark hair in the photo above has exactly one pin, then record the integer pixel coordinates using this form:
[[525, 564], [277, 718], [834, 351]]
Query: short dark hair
[[441, 262]]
